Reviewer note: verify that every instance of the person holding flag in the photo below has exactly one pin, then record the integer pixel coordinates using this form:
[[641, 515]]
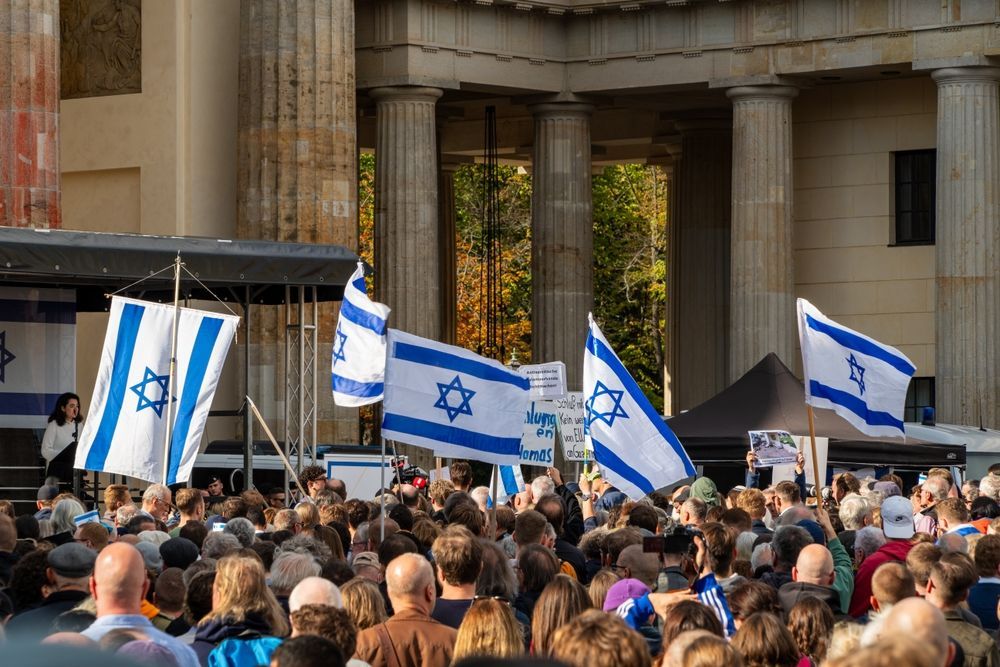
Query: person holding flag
[[633, 444], [358, 359]]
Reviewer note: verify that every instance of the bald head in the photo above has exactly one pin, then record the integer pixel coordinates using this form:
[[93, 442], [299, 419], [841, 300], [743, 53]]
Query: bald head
[[409, 580], [315, 590], [119, 581], [814, 565], [914, 617]]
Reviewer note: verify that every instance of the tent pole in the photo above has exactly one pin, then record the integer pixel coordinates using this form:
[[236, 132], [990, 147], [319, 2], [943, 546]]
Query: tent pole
[[172, 375], [247, 417]]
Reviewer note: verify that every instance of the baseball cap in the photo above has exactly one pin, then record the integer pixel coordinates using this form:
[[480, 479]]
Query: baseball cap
[[626, 589], [151, 557], [366, 558], [47, 492], [814, 529], [897, 518], [887, 489], [72, 560]]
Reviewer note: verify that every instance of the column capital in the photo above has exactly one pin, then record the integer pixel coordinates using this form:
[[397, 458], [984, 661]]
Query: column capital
[[405, 94], [966, 75], [744, 93], [569, 109]]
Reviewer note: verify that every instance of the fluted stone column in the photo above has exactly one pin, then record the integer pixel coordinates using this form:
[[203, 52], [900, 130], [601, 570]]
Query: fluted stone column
[[407, 239], [297, 167], [762, 300], [702, 261], [447, 261], [562, 236], [968, 246], [29, 113]]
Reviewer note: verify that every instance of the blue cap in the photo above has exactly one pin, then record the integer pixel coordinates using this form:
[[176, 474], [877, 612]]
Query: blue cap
[[814, 530]]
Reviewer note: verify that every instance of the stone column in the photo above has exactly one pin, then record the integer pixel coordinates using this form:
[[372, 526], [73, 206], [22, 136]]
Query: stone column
[[407, 239], [447, 260], [562, 263], [670, 317], [968, 246], [297, 166], [762, 299], [702, 261], [29, 113]]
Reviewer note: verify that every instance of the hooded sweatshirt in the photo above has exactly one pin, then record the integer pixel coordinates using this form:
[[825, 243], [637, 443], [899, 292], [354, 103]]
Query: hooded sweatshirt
[[705, 489], [891, 551], [211, 633]]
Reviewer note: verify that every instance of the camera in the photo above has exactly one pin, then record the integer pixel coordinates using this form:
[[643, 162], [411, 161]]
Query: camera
[[409, 474], [678, 541]]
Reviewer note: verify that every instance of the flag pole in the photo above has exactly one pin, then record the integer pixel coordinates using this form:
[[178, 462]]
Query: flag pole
[[817, 481], [274, 443], [173, 369], [381, 495], [491, 522]]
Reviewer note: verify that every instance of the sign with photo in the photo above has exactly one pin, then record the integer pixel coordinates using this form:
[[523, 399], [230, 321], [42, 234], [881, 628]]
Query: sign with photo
[[772, 447]]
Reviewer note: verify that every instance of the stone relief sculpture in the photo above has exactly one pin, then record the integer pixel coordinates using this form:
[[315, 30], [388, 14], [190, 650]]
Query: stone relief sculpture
[[100, 47]]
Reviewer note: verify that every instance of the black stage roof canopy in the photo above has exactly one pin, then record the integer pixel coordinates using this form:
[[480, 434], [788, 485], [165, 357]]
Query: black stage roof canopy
[[95, 264], [770, 398]]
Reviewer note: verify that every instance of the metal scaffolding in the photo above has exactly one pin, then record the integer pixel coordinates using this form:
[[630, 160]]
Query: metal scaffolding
[[301, 373]]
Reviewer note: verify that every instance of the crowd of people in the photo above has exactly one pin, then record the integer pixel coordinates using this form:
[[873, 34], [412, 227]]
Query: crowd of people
[[870, 573]]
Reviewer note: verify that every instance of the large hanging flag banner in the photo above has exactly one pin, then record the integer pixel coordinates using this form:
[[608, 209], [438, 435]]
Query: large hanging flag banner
[[37, 353], [358, 359], [453, 401], [636, 450], [511, 483], [125, 430], [857, 377]]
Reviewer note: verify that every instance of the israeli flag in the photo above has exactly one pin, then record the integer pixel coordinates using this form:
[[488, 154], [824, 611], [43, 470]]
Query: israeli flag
[[636, 450], [126, 426], [358, 360], [37, 353], [857, 377], [511, 483], [453, 401]]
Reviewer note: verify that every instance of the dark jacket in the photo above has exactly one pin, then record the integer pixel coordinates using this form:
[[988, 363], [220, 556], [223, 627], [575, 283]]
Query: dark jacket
[[611, 497], [33, 625], [573, 521], [979, 648], [794, 591], [758, 527], [572, 555], [525, 602], [211, 633], [7, 562], [776, 579]]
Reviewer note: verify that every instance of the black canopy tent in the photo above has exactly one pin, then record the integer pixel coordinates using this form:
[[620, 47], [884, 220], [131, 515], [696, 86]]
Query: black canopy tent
[[241, 271], [770, 397]]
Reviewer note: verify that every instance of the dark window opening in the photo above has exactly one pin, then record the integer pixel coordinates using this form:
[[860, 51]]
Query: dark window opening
[[920, 395], [915, 197]]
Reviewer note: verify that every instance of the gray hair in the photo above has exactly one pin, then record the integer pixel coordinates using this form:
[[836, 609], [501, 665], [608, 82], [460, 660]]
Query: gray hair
[[937, 487], [289, 569], [157, 491], [744, 545], [762, 555], [481, 494], [286, 519], [217, 545], [62, 515], [242, 529], [989, 486], [125, 514], [853, 511], [309, 546], [542, 486], [953, 543], [315, 590], [868, 540]]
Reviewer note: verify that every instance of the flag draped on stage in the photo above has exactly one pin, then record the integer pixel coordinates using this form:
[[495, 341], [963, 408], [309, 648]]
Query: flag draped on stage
[[358, 359], [452, 401], [631, 441], [126, 426], [857, 377]]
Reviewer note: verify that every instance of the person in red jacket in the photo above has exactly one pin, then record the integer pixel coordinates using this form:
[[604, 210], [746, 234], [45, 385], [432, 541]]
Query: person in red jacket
[[897, 524]]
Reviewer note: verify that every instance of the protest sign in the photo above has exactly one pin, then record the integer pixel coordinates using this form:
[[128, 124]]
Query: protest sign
[[571, 417], [548, 381], [539, 434], [772, 448]]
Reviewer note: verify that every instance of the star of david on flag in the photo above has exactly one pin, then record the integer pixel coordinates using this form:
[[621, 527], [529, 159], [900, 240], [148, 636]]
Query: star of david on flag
[[6, 356], [862, 380], [125, 430], [452, 401], [357, 368], [631, 441]]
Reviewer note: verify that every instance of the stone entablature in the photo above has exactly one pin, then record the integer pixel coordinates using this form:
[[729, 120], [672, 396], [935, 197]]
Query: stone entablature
[[635, 45]]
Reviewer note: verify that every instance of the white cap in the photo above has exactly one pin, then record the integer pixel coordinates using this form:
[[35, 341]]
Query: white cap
[[897, 518]]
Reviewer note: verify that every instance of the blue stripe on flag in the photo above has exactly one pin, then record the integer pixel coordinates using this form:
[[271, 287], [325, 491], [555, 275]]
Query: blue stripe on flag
[[604, 353], [37, 312], [854, 404], [128, 331], [342, 385], [509, 480], [201, 355], [16, 403], [362, 317], [855, 342], [451, 435], [441, 359], [610, 460]]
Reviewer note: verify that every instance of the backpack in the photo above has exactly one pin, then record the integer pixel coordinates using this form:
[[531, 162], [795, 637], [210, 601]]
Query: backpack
[[241, 652]]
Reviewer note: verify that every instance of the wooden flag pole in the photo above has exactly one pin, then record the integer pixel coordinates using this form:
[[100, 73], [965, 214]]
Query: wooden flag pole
[[817, 480]]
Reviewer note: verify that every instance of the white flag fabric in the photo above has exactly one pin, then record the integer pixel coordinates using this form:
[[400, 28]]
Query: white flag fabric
[[126, 425], [453, 401], [511, 483], [638, 453], [857, 377], [37, 353], [358, 359]]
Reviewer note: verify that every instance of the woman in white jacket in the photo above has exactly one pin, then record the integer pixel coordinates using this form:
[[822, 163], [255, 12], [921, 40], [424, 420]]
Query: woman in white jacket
[[59, 441]]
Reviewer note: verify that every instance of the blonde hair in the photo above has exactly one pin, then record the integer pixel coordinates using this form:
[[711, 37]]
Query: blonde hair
[[600, 585], [710, 651], [309, 515], [560, 602], [241, 589], [489, 629], [363, 602], [597, 639]]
